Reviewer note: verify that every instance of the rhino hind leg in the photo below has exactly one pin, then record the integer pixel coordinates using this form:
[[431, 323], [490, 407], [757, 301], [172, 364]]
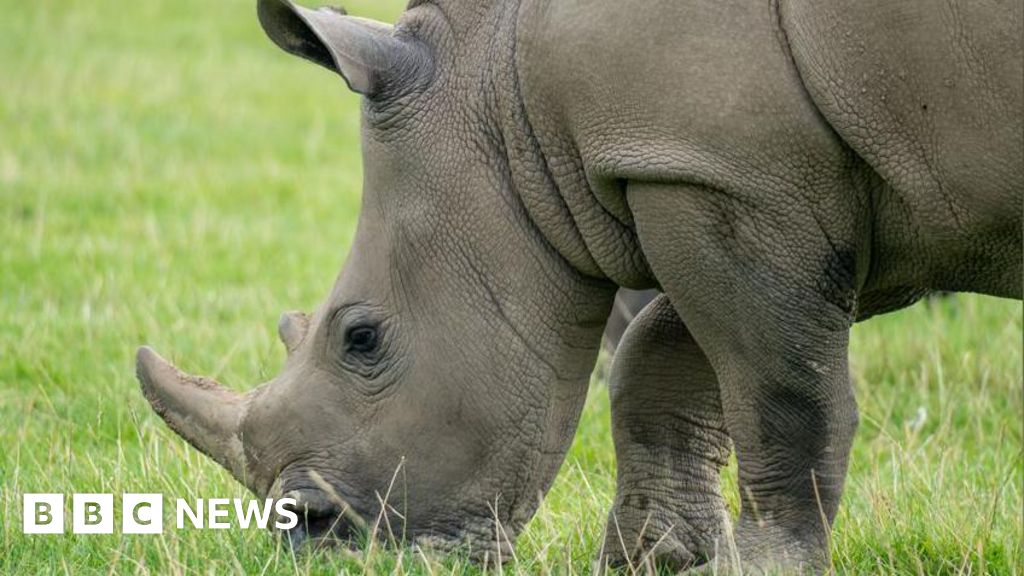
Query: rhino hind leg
[[769, 297], [670, 445]]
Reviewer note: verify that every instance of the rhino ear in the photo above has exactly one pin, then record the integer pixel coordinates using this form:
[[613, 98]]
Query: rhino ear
[[366, 53]]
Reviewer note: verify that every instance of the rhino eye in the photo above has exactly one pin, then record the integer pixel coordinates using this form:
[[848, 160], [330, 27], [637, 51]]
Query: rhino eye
[[361, 339]]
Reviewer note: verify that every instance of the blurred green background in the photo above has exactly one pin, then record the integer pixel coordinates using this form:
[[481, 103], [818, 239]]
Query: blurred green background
[[168, 176]]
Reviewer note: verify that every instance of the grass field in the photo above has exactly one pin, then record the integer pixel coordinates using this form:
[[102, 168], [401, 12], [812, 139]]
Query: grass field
[[167, 176]]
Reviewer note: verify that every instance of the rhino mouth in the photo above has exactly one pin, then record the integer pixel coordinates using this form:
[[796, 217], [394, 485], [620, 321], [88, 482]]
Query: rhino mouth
[[328, 523], [323, 523]]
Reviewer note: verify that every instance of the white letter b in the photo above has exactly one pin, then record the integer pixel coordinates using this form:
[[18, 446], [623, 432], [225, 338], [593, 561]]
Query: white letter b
[[43, 514]]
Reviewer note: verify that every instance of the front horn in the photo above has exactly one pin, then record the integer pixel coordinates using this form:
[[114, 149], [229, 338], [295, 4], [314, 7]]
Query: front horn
[[198, 409]]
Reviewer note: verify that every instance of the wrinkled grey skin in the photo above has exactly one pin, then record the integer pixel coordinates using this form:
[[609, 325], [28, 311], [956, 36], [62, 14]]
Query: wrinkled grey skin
[[779, 170]]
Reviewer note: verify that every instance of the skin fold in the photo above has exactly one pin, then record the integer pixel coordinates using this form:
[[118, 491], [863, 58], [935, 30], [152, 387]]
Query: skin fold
[[777, 170]]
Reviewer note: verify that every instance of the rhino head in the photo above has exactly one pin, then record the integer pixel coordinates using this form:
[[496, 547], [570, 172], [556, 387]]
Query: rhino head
[[437, 389]]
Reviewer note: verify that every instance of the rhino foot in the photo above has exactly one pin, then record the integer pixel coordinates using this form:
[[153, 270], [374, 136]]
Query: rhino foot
[[647, 541]]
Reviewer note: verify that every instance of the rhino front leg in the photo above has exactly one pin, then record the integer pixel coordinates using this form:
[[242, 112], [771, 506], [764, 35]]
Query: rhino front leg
[[670, 444], [768, 294]]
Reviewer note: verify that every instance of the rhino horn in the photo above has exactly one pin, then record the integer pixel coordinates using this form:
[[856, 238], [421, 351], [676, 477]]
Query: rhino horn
[[198, 409], [366, 53], [292, 329]]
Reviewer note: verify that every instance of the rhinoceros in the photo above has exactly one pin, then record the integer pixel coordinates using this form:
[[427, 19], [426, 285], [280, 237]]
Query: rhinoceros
[[778, 170], [628, 304]]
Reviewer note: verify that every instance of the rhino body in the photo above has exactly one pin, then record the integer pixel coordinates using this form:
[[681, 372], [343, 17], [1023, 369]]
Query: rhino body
[[779, 170]]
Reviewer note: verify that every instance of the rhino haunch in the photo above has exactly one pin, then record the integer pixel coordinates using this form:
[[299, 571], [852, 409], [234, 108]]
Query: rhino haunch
[[778, 170]]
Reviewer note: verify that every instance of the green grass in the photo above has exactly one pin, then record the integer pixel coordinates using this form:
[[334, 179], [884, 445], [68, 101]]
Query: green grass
[[167, 176]]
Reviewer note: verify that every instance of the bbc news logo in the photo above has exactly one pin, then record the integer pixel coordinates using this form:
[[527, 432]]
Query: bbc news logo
[[144, 513]]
